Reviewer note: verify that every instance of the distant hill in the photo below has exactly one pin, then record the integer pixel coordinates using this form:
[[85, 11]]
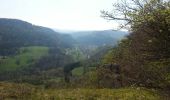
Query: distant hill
[[50, 45], [90, 42], [15, 33], [98, 38]]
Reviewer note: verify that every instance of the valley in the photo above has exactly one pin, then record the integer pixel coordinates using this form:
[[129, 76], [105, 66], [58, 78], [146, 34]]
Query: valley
[[41, 63]]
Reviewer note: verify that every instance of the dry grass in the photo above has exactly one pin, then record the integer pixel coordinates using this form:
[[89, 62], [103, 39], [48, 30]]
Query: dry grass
[[99, 94], [12, 91]]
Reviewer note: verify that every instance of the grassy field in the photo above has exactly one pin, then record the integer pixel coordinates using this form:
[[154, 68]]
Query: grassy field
[[25, 57], [12, 91], [80, 70]]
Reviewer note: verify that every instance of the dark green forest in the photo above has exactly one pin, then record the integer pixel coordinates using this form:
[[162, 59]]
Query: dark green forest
[[39, 63]]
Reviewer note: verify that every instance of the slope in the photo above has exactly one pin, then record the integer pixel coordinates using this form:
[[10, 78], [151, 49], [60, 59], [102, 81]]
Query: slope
[[16, 33]]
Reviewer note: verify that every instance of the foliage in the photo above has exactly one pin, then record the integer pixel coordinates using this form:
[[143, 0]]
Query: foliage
[[144, 55], [80, 70], [75, 53]]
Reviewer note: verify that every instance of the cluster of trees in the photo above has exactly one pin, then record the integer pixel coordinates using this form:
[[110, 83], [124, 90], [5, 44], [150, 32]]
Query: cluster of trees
[[144, 55]]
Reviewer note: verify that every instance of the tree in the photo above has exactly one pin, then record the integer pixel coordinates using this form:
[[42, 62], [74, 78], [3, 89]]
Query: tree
[[135, 14], [145, 55]]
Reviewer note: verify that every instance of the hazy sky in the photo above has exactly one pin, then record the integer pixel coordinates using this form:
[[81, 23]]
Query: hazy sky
[[60, 14]]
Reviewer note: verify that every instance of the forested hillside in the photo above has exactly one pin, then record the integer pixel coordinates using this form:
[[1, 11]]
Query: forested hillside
[[98, 38], [16, 33]]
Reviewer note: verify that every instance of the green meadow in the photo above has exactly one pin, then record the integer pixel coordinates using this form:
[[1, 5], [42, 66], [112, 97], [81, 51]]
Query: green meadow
[[80, 70], [25, 57]]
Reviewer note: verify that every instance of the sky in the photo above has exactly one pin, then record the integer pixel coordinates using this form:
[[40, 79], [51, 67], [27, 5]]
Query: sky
[[59, 14]]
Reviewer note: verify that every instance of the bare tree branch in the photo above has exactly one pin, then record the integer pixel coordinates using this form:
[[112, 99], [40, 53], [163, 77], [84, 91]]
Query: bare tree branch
[[111, 17]]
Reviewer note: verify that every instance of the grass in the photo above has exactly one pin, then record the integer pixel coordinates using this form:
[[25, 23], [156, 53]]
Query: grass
[[13, 91], [25, 57], [80, 70], [101, 94]]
